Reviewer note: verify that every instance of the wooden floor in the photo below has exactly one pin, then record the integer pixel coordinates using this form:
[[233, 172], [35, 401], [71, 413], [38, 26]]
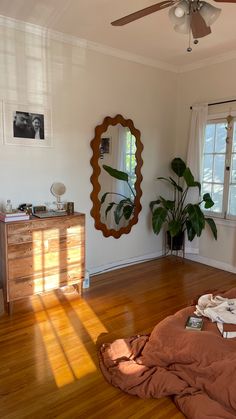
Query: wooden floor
[[48, 347]]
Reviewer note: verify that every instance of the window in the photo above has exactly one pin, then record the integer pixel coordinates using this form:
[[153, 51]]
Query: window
[[130, 159], [219, 166]]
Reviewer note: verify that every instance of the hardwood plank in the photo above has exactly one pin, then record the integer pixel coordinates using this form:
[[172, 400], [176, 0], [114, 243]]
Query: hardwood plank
[[48, 347]]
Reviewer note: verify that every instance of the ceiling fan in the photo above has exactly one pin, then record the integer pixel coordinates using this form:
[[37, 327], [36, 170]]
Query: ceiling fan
[[188, 16]]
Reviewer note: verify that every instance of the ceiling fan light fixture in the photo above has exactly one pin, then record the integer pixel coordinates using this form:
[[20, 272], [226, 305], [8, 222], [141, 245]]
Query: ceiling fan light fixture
[[175, 20], [179, 11], [184, 26], [179, 17], [209, 13]]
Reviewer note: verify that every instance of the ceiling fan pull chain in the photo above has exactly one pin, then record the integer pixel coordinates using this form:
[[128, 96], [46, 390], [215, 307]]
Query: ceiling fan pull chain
[[189, 49]]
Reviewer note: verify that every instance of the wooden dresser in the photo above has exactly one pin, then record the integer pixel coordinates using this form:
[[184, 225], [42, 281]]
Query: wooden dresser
[[41, 255]]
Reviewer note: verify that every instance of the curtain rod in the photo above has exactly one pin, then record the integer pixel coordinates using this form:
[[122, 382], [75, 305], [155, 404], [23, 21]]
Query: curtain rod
[[219, 103]]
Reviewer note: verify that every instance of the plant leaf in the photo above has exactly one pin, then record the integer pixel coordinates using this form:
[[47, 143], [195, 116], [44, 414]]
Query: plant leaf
[[174, 227], [158, 218], [190, 231], [189, 179], [109, 207], [118, 174], [169, 205], [213, 227], [196, 217], [104, 197], [178, 166], [208, 201], [172, 182], [118, 213], [163, 178], [176, 185], [154, 203], [127, 211]]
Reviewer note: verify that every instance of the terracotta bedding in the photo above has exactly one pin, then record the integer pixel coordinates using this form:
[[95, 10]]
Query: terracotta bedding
[[197, 368]]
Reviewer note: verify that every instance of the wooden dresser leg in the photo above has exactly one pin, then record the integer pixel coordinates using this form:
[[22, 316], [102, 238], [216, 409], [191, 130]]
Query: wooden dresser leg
[[79, 287]]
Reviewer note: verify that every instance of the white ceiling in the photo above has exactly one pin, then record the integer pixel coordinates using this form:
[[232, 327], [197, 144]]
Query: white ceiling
[[151, 37]]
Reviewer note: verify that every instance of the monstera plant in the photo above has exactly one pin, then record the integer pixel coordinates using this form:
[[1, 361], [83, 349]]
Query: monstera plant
[[124, 208], [179, 214]]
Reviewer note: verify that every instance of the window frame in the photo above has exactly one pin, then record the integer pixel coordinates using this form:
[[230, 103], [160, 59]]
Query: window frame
[[214, 119], [130, 154]]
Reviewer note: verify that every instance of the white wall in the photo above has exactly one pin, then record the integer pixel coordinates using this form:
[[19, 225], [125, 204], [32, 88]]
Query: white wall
[[81, 87], [214, 83]]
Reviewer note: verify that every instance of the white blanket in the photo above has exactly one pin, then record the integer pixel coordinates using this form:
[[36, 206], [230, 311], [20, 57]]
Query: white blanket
[[216, 308]]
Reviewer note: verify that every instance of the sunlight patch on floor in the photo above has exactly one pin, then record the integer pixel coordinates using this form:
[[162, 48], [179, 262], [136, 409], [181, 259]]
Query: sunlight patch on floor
[[90, 320], [67, 354]]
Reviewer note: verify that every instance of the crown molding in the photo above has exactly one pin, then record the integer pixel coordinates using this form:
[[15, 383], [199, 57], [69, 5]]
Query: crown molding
[[49, 34], [231, 55], [82, 43]]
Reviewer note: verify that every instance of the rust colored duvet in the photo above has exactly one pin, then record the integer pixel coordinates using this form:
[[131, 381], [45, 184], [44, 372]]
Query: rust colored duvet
[[197, 368]]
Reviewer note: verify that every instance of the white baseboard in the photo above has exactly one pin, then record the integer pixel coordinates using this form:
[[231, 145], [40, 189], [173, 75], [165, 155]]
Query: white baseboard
[[211, 262], [132, 261], [191, 250], [123, 263]]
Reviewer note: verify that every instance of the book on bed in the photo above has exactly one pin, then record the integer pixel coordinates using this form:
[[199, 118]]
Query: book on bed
[[228, 330], [194, 323]]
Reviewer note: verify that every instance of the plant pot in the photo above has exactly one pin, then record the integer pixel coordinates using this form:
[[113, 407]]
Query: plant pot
[[176, 242]]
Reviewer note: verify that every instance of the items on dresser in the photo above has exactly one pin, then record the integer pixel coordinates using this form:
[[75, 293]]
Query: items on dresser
[[47, 214], [26, 208], [39, 255], [8, 206], [15, 215]]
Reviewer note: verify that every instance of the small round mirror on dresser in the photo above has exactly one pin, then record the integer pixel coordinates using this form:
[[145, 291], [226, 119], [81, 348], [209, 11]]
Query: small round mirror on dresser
[[116, 176], [58, 189]]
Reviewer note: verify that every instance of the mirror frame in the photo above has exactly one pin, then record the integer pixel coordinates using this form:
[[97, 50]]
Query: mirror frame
[[95, 145]]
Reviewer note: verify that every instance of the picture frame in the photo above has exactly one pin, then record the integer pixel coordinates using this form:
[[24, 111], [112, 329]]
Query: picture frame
[[27, 125], [105, 146]]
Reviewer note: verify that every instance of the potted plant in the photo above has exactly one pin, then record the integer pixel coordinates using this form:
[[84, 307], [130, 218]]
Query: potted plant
[[178, 214], [124, 208]]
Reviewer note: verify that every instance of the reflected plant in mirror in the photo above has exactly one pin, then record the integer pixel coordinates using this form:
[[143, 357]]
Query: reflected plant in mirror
[[124, 208], [116, 176]]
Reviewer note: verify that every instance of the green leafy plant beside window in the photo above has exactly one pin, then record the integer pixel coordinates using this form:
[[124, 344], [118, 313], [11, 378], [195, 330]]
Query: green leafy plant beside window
[[125, 207], [178, 214]]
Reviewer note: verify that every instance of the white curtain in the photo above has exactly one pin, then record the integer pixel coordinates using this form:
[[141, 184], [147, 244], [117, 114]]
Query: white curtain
[[194, 158], [118, 186]]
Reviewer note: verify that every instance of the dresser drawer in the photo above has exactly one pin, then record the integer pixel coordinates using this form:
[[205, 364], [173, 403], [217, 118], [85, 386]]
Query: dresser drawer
[[44, 262], [27, 233], [24, 287], [41, 224], [46, 245]]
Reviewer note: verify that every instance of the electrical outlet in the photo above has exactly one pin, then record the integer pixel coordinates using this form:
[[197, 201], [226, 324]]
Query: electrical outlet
[[86, 281]]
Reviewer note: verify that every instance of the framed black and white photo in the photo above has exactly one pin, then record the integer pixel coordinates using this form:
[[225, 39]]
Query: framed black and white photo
[[27, 125]]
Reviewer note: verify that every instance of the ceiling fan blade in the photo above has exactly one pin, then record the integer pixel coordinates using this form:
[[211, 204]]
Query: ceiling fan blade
[[144, 12], [198, 25]]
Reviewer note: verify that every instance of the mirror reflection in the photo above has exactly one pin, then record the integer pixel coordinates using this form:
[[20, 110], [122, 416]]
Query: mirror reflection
[[116, 176], [117, 159]]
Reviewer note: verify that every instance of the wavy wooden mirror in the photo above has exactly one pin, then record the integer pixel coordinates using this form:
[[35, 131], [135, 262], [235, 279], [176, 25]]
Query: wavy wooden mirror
[[116, 176]]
